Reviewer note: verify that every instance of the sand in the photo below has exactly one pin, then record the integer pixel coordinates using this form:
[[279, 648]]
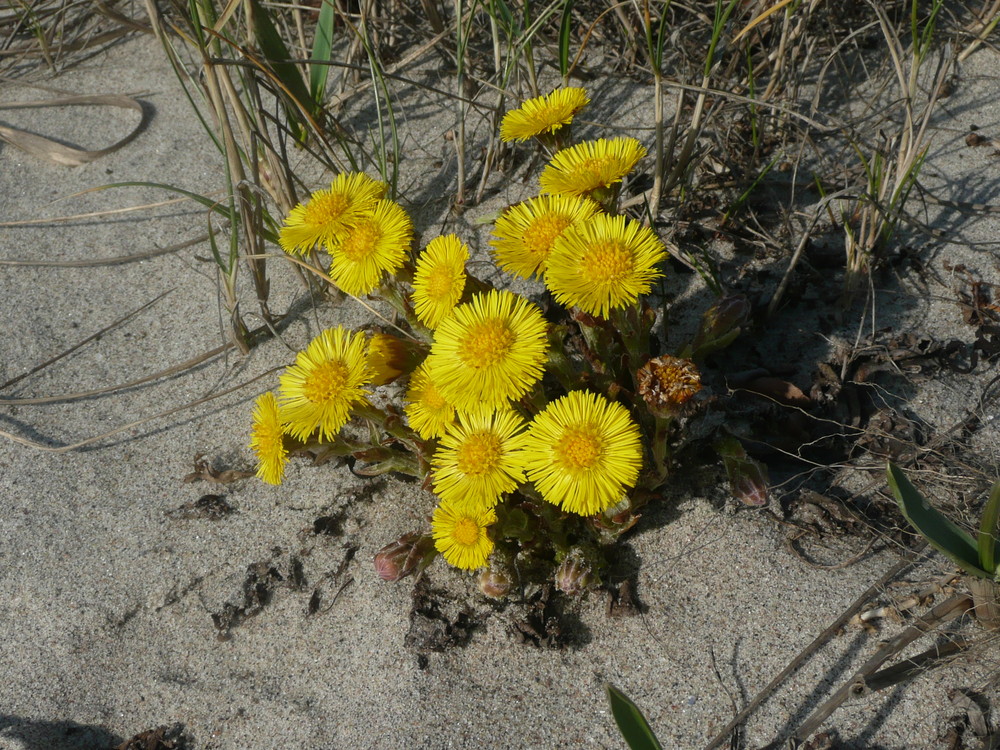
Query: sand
[[108, 593]]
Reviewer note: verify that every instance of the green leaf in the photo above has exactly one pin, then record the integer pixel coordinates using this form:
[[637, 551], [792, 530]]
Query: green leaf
[[322, 52], [988, 532], [631, 723], [940, 532]]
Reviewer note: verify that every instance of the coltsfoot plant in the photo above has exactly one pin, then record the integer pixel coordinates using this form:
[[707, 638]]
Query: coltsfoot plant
[[541, 427]]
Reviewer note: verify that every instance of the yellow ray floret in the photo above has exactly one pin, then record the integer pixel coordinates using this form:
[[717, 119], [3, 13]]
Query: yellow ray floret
[[326, 381], [267, 439], [371, 244], [461, 534], [439, 279], [321, 221], [603, 264], [477, 459], [582, 452], [525, 233], [543, 114], [591, 165], [489, 351], [428, 411]]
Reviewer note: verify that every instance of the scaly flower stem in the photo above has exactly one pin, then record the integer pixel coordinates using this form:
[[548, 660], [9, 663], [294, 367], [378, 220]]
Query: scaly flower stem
[[661, 448], [633, 328]]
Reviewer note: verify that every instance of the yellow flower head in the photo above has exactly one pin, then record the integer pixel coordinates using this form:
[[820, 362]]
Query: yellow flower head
[[582, 452], [543, 114], [591, 165], [267, 439], [490, 350], [460, 534], [526, 233], [477, 459], [439, 279], [321, 221], [428, 411], [373, 243], [326, 381], [603, 264]]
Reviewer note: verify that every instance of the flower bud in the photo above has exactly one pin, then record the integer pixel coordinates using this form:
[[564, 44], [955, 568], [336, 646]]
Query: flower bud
[[574, 575], [747, 477], [400, 558], [390, 356], [667, 384], [494, 583], [720, 325]]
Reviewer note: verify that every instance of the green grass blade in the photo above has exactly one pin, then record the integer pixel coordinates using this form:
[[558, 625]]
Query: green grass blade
[[631, 723], [940, 532], [501, 12], [661, 36], [273, 48], [564, 28], [322, 52], [209, 203], [988, 532]]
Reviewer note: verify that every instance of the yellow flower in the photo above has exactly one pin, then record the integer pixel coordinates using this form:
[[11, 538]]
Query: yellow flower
[[490, 350], [428, 411], [326, 381], [460, 534], [543, 114], [591, 165], [582, 452], [525, 233], [371, 244], [267, 439], [477, 460], [603, 264], [439, 279], [321, 221]]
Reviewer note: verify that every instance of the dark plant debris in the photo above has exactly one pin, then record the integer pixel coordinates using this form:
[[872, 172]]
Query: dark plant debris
[[161, 738], [205, 472], [438, 621], [262, 578], [207, 507], [546, 622]]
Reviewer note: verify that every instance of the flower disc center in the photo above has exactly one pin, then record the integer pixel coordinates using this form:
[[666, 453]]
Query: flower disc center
[[479, 454], [360, 243], [486, 343], [326, 209], [432, 399], [466, 532], [606, 261], [541, 234], [579, 448], [439, 282], [326, 381]]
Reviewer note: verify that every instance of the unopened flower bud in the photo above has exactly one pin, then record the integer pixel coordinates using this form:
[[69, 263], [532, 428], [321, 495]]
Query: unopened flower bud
[[667, 384], [400, 558], [720, 325], [747, 477], [574, 575], [494, 583], [390, 356]]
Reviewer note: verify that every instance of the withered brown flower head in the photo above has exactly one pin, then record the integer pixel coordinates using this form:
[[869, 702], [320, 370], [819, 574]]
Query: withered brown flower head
[[667, 384]]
